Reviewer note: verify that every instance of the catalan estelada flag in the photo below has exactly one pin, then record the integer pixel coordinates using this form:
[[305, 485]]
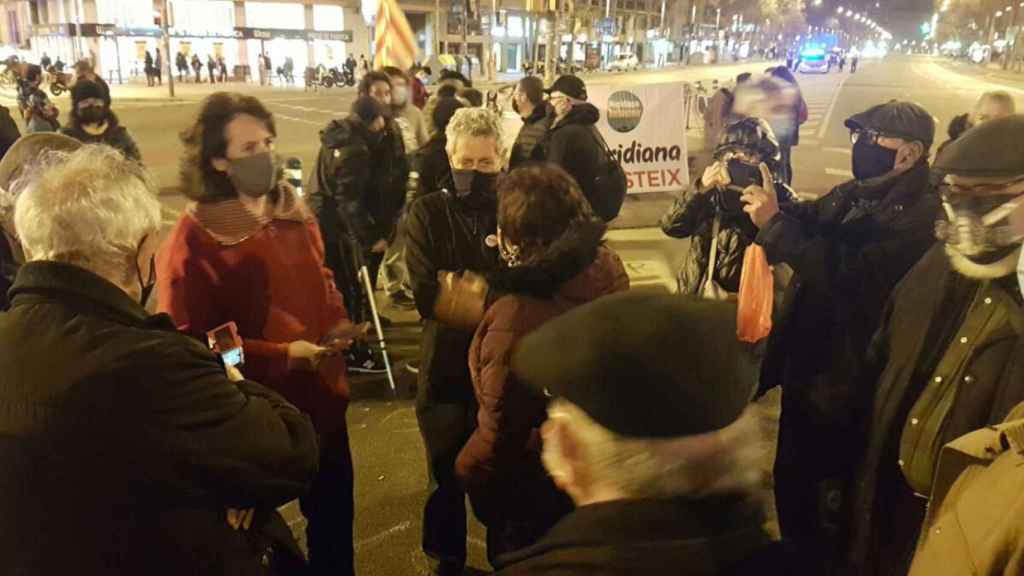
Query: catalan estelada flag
[[393, 38]]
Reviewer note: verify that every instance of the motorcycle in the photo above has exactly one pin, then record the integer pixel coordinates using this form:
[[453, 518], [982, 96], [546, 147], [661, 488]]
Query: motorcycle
[[58, 81], [329, 78]]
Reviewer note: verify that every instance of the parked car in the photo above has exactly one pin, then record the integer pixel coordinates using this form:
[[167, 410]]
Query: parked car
[[624, 62]]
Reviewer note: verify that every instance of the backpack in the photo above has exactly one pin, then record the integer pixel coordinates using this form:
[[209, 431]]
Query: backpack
[[609, 189]]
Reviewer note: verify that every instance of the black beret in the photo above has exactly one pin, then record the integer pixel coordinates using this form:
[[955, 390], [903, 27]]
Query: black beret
[[898, 119], [642, 364], [989, 149]]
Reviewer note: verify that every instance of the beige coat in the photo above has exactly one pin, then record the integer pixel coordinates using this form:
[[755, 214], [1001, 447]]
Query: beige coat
[[974, 523]]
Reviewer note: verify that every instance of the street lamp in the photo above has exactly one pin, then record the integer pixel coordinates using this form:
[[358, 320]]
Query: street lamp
[[839, 10]]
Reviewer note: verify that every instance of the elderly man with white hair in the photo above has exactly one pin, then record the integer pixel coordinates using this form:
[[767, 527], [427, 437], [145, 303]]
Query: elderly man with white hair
[[448, 231], [126, 447], [649, 433]]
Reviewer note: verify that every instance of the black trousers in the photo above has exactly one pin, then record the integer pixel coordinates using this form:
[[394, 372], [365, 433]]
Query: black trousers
[[445, 428], [330, 509]]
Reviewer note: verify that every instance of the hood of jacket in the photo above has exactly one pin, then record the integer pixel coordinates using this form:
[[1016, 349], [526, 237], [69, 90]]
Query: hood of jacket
[[343, 132], [585, 114], [576, 266]]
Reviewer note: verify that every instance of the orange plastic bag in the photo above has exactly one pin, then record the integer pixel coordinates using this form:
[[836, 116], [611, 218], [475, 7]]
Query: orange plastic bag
[[757, 290]]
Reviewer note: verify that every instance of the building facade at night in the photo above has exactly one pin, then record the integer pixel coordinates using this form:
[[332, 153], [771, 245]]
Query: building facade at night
[[116, 34]]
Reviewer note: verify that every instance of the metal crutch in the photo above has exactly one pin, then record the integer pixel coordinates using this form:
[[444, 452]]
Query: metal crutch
[[364, 274]]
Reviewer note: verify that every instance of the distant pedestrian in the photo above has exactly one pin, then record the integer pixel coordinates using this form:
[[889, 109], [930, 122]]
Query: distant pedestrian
[[211, 67], [854, 58], [363, 64], [45, 61], [222, 65], [197, 67], [40, 113], [93, 122], [181, 62], [158, 67], [148, 69], [261, 68]]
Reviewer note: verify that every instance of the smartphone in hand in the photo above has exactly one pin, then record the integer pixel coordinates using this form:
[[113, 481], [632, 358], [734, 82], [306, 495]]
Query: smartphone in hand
[[225, 341]]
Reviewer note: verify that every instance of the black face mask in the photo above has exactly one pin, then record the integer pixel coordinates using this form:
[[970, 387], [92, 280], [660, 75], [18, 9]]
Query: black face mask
[[92, 114], [871, 160], [473, 182]]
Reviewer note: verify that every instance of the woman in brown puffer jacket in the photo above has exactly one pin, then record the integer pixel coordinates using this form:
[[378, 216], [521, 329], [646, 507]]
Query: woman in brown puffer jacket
[[554, 259]]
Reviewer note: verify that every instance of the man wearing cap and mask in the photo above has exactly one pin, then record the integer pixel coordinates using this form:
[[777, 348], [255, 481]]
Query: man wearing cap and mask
[[948, 343], [572, 141], [357, 192], [93, 122], [449, 234], [654, 444], [848, 250]]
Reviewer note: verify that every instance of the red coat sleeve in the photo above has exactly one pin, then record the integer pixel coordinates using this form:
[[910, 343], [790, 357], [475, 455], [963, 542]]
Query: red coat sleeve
[[186, 282], [505, 420]]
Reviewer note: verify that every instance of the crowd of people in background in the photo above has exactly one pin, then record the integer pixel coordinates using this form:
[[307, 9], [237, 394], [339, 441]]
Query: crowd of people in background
[[594, 429]]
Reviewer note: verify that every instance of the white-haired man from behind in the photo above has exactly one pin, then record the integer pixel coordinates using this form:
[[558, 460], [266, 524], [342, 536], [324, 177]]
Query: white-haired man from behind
[[126, 446], [650, 435]]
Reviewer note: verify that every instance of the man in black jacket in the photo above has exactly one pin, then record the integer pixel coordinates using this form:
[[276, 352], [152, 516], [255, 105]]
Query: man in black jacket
[[357, 192], [448, 231], [126, 447], [528, 102], [572, 141], [847, 250], [946, 358], [654, 443]]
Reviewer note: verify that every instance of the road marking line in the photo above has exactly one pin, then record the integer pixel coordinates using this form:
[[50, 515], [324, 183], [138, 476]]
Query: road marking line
[[809, 142], [838, 172], [832, 107], [393, 530], [811, 124], [302, 120]]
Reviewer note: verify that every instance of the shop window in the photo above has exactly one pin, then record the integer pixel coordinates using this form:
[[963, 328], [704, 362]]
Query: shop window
[[328, 18], [515, 27], [275, 15]]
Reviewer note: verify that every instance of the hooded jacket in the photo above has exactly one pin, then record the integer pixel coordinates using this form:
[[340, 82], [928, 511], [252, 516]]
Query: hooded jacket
[[573, 144], [848, 250], [692, 216], [358, 187], [116, 136], [946, 360], [501, 462]]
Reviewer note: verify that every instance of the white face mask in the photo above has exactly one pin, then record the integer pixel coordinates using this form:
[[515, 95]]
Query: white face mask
[[399, 94]]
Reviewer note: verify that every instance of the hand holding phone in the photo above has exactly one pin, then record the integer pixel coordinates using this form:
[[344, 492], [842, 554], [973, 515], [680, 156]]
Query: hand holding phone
[[225, 341]]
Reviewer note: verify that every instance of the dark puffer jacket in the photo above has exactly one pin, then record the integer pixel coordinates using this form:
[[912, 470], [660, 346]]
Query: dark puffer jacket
[[527, 147], [692, 216], [115, 136], [359, 185], [572, 144], [500, 465]]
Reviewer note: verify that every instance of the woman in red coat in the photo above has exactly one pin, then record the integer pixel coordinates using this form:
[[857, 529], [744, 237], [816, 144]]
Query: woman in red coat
[[247, 250], [554, 259]]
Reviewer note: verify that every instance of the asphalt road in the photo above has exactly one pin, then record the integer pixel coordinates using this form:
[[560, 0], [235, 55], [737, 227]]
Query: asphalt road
[[388, 453]]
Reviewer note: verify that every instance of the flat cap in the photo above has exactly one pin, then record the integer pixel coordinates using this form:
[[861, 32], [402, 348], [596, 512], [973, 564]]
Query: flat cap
[[28, 149], [989, 149], [904, 120], [643, 365]]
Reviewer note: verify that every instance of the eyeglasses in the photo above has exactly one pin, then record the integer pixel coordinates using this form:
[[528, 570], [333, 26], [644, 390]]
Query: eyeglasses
[[869, 136]]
